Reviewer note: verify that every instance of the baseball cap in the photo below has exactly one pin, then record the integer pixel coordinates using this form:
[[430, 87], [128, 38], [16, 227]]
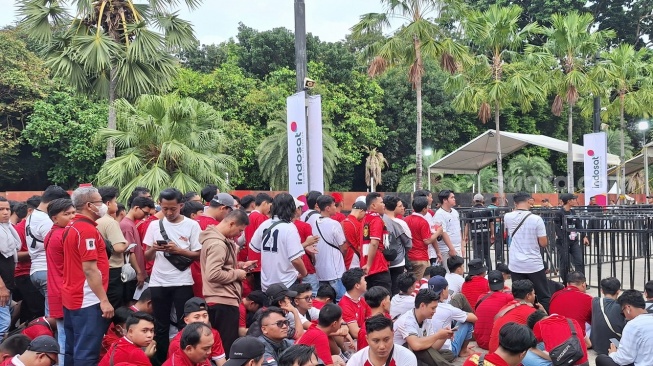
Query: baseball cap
[[361, 199], [495, 278], [565, 197], [298, 203], [245, 349], [437, 284], [358, 205], [223, 199], [44, 344], [277, 290], [337, 197], [258, 297], [479, 198], [195, 304], [476, 267]]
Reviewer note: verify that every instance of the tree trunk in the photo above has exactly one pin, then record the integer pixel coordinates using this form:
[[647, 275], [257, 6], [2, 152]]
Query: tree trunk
[[497, 130], [111, 148], [570, 150], [418, 135], [622, 152]]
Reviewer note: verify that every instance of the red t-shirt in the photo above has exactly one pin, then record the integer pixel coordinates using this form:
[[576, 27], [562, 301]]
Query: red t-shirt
[[474, 288], [352, 229], [110, 337], [486, 312], [255, 220], [354, 311], [315, 337], [555, 330], [242, 316], [305, 230], [373, 228], [217, 352], [339, 216], [581, 311], [37, 328], [22, 268], [491, 359], [83, 243], [420, 230], [318, 304], [179, 358], [54, 257], [142, 226], [125, 351], [517, 315]]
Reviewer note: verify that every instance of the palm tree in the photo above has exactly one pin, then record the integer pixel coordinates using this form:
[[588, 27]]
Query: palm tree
[[438, 181], [272, 154], [374, 164], [489, 181], [109, 47], [525, 172], [614, 144], [498, 78], [166, 141], [572, 43], [417, 38]]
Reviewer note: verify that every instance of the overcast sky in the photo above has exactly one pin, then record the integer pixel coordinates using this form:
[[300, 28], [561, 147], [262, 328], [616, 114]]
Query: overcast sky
[[217, 20]]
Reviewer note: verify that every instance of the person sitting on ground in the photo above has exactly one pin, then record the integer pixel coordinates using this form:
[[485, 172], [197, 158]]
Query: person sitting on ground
[[430, 272], [516, 311], [575, 294], [329, 321], [326, 294], [488, 306], [455, 277], [404, 300], [144, 302], [381, 349], [648, 292], [196, 310], [476, 285], [514, 341], [195, 346], [117, 329], [274, 329], [446, 315], [414, 329], [246, 351], [40, 326], [636, 345], [254, 301], [41, 351], [354, 308], [552, 331], [12, 346], [138, 335], [299, 355], [607, 319], [303, 302], [280, 297], [378, 298]]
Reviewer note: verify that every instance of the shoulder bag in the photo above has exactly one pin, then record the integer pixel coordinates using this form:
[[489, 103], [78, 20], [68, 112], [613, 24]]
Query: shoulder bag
[[179, 261], [569, 352], [607, 321]]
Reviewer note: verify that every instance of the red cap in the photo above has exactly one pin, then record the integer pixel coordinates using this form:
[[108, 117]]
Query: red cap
[[337, 197]]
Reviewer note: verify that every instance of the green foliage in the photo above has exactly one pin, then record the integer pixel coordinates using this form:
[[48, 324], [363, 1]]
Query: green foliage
[[59, 130], [631, 20], [525, 172]]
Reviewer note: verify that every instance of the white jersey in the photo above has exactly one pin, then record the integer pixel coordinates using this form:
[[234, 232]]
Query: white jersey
[[450, 222], [329, 262], [401, 355], [38, 225], [278, 248]]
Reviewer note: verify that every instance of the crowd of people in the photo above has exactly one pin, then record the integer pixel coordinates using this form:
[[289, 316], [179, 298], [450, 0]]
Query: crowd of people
[[209, 278]]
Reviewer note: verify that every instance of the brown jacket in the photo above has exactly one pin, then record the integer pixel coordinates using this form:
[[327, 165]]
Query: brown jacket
[[218, 261]]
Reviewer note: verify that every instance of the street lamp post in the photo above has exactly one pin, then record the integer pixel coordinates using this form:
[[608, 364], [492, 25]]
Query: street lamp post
[[643, 126]]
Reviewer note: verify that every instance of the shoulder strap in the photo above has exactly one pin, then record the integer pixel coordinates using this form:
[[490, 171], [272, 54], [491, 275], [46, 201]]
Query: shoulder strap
[[113, 353], [573, 329], [268, 231], [387, 362], [483, 299], [323, 238], [309, 215], [481, 360], [520, 224], [607, 321], [164, 235], [506, 310], [28, 231]]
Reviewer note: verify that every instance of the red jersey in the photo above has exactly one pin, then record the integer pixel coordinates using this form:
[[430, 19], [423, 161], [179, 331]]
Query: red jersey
[[179, 358], [108, 340], [318, 304], [320, 340], [486, 312], [217, 352], [555, 330], [339, 216], [373, 229], [142, 226], [37, 328], [305, 230], [490, 359], [83, 243], [354, 311], [54, 257], [582, 309], [256, 218], [518, 314], [22, 268], [125, 351], [352, 229], [476, 287], [420, 230]]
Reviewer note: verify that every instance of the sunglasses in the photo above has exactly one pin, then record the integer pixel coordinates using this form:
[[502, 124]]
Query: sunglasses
[[52, 360], [281, 323]]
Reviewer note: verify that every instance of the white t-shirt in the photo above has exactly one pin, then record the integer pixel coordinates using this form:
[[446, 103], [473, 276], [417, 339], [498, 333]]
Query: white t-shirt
[[39, 224], [406, 325], [444, 315], [185, 234], [329, 262], [401, 304], [312, 312], [450, 222], [524, 254], [310, 217], [401, 355], [455, 282], [278, 249]]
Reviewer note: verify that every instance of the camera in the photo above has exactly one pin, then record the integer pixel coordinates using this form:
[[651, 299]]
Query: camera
[[309, 83]]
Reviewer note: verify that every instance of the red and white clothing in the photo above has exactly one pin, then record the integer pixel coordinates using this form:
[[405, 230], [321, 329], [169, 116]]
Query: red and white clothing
[[373, 229], [353, 233], [83, 243], [125, 350], [401, 356], [420, 230], [179, 358], [354, 311], [256, 218], [420, 285], [55, 261], [305, 230], [320, 340], [217, 352], [22, 268], [38, 327], [490, 359]]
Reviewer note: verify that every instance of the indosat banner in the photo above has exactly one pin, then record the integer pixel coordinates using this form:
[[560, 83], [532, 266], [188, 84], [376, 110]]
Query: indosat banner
[[596, 167]]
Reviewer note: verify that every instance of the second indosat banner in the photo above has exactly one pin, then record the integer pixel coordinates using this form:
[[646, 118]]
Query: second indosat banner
[[596, 167]]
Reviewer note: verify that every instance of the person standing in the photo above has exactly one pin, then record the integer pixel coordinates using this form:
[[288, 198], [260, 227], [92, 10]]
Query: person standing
[[448, 218], [422, 236], [86, 307], [568, 241], [528, 235], [338, 199], [353, 228], [329, 260], [398, 240], [260, 214], [373, 263], [140, 209], [480, 229], [9, 246]]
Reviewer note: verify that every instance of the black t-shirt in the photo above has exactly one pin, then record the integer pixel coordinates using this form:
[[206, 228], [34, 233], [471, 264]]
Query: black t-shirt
[[481, 217], [571, 224], [601, 333]]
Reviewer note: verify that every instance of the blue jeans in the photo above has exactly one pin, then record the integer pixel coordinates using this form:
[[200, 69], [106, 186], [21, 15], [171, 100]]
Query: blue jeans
[[5, 319], [40, 281], [464, 333], [532, 359], [61, 338], [84, 331], [311, 279], [338, 286]]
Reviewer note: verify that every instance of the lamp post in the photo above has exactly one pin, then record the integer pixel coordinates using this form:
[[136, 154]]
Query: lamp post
[[428, 152], [643, 126]]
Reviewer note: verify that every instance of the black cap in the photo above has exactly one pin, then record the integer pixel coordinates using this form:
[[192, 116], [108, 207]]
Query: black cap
[[245, 349], [495, 278], [44, 344], [476, 267], [565, 197], [279, 290], [259, 297], [359, 205], [195, 304]]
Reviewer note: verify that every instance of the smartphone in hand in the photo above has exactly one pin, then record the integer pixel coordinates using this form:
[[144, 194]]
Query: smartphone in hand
[[615, 342], [161, 242]]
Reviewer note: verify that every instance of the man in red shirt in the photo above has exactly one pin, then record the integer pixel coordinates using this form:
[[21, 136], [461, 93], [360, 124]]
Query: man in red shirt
[[195, 345], [487, 307], [421, 235], [337, 198], [139, 335], [554, 330], [373, 263], [354, 308], [514, 341], [475, 284], [353, 228], [574, 293], [248, 307], [85, 280], [261, 212], [318, 334], [516, 311]]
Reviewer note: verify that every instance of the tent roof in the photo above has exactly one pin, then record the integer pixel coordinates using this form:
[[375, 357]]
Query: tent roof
[[636, 163], [481, 151]]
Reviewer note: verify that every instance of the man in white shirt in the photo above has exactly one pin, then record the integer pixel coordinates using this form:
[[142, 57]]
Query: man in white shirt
[[381, 349], [448, 218], [170, 284], [528, 235], [37, 227], [329, 260], [636, 344], [311, 214], [404, 301], [398, 239], [278, 241]]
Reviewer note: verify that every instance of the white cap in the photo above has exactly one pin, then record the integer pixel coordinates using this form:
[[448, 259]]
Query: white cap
[[361, 198], [298, 203]]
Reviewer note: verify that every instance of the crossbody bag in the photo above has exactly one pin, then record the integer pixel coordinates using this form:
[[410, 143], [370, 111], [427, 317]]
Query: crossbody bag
[[181, 262], [607, 321]]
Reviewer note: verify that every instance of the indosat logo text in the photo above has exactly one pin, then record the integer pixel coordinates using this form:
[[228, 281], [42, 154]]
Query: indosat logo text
[[596, 169], [299, 143]]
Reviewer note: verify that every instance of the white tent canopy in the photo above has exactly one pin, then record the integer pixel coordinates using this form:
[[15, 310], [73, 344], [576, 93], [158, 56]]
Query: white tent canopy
[[481, 152], [636, 163]]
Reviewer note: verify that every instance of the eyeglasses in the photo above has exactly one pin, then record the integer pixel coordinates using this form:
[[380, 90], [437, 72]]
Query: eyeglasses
[[100, 201], [307, 298], [281, 323], [623, 308], [52, 360]]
